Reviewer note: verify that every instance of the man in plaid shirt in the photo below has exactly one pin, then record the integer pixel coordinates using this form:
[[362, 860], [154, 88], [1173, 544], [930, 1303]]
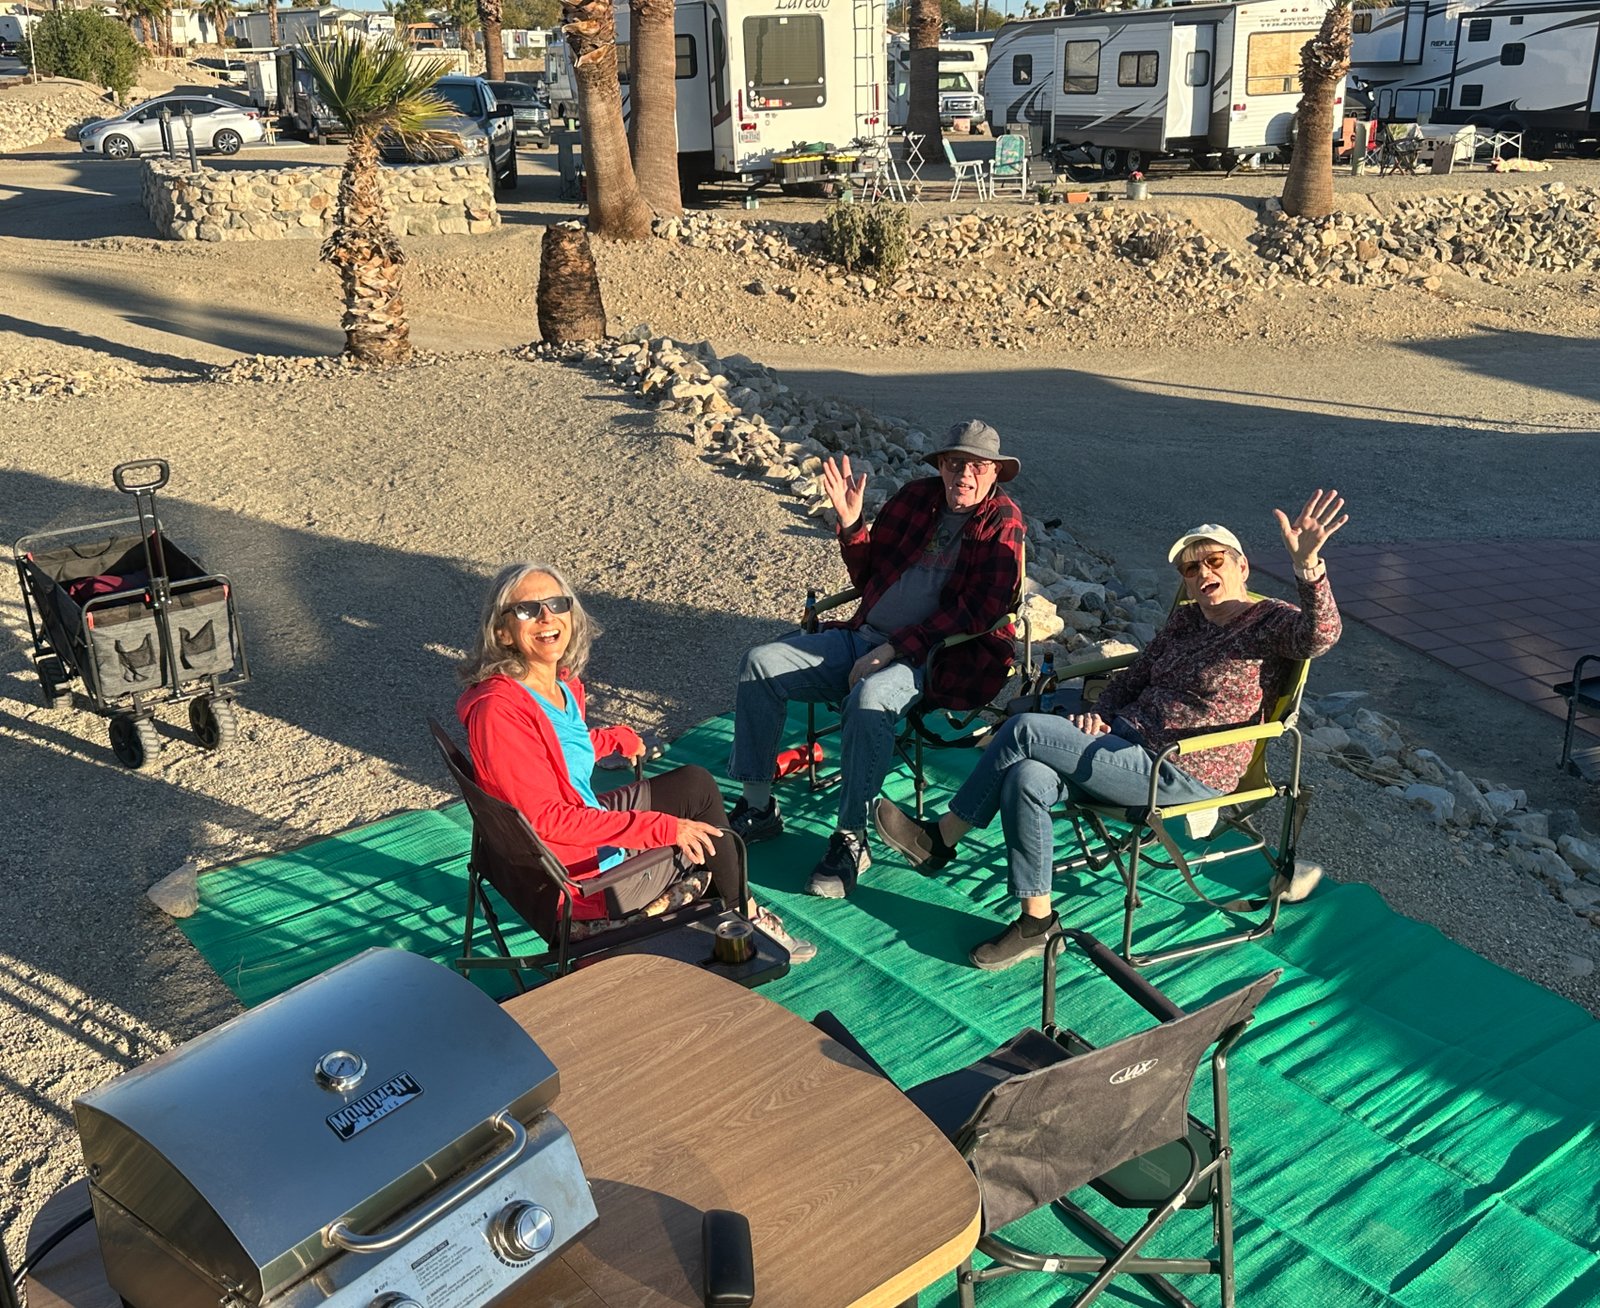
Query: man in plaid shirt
[[943, 559]]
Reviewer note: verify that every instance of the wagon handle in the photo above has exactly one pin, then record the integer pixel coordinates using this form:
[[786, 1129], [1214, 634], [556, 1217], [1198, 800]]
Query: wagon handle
[[119, 475]]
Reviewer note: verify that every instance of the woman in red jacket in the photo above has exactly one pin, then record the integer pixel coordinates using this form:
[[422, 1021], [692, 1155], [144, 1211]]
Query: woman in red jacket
[[531, 747]]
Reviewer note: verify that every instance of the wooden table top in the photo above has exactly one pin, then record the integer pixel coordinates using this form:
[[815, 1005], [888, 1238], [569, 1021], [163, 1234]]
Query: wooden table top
[[685, 1092]]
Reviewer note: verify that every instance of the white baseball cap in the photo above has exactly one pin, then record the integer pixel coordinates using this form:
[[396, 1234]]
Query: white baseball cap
[[1205, 531]]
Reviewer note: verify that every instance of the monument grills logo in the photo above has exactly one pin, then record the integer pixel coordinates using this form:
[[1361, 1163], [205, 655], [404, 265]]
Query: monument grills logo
[[356, 1116]]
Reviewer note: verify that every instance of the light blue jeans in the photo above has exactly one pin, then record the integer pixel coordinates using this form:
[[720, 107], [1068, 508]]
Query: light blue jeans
[[813, 669], [1035, 761]]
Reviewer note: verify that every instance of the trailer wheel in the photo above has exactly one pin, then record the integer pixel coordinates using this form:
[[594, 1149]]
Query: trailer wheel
[[53, 681], [215, 723], [134, 740]]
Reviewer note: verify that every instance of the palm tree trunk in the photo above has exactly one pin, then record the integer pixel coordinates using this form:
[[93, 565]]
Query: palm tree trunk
[[616, 209], [1324, 60], [653, 132], [365, 250], [570, 308], [922, 114], [166, 31], [494, 54], [272, 23]]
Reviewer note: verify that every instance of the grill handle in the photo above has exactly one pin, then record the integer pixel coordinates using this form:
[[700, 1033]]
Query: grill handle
[[337, 1234]]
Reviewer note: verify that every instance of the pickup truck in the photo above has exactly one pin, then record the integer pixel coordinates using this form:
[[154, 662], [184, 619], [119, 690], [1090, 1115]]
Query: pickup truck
[[479, 125]]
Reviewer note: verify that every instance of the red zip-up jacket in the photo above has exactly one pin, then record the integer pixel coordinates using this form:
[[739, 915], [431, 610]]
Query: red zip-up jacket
[[519, 760]]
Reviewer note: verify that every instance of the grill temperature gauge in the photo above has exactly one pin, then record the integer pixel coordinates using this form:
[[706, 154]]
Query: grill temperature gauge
[[522, 1231]]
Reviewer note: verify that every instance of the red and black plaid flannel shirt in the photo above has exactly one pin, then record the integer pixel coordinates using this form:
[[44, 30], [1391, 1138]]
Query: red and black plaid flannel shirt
[[978, 594]]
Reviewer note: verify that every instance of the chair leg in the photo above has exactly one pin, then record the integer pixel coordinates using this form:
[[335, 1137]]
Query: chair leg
[[964, 1291], [918, 780]]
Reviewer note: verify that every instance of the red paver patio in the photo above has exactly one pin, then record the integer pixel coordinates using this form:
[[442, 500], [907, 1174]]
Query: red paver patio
[[1515, 615]]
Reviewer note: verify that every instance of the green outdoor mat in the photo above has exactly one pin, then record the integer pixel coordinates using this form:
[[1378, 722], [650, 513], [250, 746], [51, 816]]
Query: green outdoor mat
[[1412, 1124]]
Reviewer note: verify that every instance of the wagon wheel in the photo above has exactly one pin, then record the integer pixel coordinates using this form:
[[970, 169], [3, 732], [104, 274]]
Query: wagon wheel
[[134, 740], [214, 721], [53, 681]]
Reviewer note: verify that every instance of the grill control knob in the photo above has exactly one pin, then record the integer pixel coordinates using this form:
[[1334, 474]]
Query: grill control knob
[[394, 1301], [522, 1231]]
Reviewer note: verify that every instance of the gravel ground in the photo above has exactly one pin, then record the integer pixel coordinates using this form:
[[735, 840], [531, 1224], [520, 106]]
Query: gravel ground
[[360, 516]]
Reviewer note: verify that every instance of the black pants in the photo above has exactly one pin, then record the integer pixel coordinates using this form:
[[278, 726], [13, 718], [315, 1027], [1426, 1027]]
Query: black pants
[[686, 792]]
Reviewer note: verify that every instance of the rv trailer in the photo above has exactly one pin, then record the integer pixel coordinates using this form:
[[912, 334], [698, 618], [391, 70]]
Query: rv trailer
[[1204, 80], [962, 65], [1506, 65], [757, 77]]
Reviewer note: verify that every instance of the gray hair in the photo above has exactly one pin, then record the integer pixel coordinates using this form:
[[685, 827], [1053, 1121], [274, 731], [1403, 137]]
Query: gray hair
[[1205, 545], [489, 656]]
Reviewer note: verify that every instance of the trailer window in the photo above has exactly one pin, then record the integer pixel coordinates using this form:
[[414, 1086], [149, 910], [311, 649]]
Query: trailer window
[[1272, 62], [783, 59], [687, 67], [1361, 21], [1198, 72], [1472, 96], [1021, 70], [1137, 68], [1080, 68], [1512, 52], [1478, 29]]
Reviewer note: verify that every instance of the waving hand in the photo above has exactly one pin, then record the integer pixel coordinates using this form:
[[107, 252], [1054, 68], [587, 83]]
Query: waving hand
[[1308, 532]]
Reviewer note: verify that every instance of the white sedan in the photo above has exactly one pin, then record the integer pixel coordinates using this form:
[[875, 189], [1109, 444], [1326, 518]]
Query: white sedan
[[218, 125]]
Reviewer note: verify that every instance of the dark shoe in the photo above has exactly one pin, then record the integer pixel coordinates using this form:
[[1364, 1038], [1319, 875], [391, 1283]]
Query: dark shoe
[[753, 825], [841, 867], [918, 840], [1013, 945]]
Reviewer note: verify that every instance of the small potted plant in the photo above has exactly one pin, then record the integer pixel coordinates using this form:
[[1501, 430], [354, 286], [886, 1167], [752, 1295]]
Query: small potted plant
[[1138, 188]]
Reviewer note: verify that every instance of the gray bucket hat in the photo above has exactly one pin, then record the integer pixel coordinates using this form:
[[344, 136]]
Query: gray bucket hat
[[981, 441]]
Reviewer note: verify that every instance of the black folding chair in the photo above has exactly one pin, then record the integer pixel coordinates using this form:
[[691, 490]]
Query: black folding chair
[[508, 855], [1048, 1113]]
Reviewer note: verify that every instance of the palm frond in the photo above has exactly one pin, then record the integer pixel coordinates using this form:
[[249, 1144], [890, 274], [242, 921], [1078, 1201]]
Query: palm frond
[[369, 85]]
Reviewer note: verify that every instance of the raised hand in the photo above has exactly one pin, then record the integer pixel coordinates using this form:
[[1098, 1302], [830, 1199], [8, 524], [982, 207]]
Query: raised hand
[[844, 492], [1305, 536]]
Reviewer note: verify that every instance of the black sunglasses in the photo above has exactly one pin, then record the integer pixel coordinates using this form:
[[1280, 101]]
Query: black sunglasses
[[530, 610]]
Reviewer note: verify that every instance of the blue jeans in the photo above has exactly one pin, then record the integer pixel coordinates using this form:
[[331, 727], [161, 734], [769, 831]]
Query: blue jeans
[[1038, 759], [814, 669]]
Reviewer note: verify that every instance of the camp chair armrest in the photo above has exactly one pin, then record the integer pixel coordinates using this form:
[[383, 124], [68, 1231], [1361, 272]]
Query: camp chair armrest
[[1112, 965], [962, 637], [631, 867], [826, 602], [1094, 667], [1219, 739]]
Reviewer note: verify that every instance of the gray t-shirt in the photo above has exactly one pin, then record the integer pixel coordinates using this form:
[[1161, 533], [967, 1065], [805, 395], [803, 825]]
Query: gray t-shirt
[[915, 596]]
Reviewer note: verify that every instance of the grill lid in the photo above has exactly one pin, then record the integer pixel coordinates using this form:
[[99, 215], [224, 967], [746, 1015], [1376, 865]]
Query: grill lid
[[350, 1096]]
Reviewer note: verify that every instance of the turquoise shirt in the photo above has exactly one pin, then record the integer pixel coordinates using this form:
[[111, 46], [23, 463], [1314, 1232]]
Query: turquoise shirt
[[572, 734]]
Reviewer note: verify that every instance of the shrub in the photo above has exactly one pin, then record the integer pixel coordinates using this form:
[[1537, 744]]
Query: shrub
[[85, 44], [867, 236]]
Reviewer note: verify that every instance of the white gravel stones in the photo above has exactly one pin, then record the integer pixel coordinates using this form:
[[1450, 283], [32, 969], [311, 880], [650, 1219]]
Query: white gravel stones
[[59, 110]]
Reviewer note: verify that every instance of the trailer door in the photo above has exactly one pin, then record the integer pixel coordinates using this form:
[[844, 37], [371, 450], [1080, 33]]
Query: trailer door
[[1189, 80]]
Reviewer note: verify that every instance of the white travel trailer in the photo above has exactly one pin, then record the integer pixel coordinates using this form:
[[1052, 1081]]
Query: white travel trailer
[[962, 65], [14, 27], [1509, 65], [757, 77], [1201, 79]]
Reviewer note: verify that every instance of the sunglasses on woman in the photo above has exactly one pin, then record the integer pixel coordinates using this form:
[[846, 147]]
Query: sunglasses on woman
[[532, 610], [1212, 563]]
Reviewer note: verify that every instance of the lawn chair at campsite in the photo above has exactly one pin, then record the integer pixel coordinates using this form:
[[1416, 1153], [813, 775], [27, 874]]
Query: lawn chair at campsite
[[1151, 827], [509, 856], [1010, 164], [1399, 146], [1581, 693], [1047, 1113], [925, 726], [975, 171]]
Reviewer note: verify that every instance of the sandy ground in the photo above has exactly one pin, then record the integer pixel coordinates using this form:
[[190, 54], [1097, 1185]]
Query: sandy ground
[[360, 516]]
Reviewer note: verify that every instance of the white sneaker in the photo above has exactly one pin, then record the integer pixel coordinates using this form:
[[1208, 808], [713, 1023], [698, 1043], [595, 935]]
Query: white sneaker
[[800, 951], [1292, 889]]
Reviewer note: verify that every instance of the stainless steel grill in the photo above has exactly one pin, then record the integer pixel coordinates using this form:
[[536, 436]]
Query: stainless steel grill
[[379, 1136]]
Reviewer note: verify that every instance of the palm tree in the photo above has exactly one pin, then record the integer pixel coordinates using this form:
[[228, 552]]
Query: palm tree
[[372, 87], [494, 54], [272, 22], [168, 47], [145, 13], [616, 209], [1324, 60], [922, 116], [653, 128], [219, 13]]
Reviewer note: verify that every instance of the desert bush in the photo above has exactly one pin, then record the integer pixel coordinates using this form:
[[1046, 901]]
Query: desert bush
[[867, 236], [85, 44]]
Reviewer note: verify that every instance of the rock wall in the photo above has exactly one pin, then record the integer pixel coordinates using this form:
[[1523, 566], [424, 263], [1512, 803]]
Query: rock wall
[[274, 204], [32, 115]]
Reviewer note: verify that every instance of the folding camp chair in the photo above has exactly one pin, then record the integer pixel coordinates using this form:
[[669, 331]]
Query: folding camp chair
[[925, 726], [1048, 1113], [1152, 826], [510, 857], [1581, 693], [975, 171], [1010, 164], [1398, 148]]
